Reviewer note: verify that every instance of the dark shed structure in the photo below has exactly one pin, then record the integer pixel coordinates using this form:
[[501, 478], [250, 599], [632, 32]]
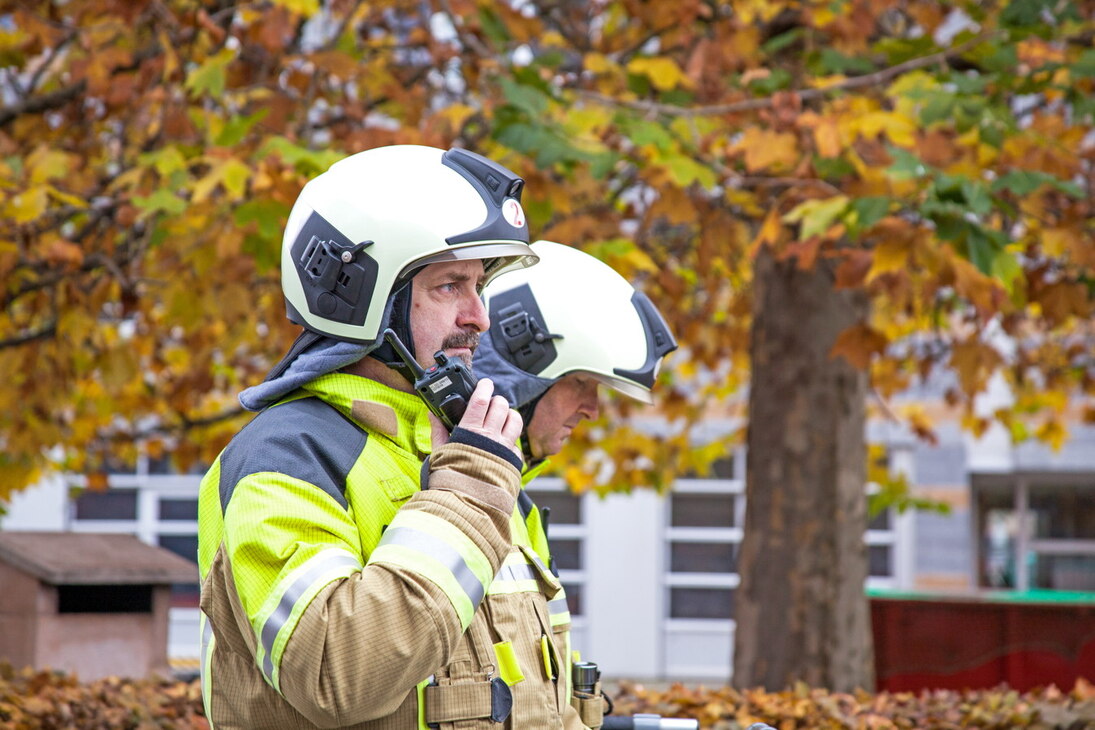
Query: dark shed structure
[[90, 604]]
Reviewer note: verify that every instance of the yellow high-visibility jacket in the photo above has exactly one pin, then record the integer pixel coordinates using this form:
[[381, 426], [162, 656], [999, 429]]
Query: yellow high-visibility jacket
[[338, 593]]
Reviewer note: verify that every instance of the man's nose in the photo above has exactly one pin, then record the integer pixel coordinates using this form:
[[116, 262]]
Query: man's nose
[[474, 314], [590, 407]]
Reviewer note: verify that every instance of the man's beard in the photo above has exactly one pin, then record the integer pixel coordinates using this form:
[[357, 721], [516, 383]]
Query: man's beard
[[468, 339]]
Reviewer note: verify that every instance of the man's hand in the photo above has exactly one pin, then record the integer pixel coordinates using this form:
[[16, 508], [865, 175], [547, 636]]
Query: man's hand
[[487, 415]]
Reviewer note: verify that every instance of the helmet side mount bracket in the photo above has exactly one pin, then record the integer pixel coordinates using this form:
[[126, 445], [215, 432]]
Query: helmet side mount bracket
[[525, 342], [337, 275]]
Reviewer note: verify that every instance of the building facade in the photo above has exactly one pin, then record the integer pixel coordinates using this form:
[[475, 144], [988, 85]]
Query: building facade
[[1021, 517]]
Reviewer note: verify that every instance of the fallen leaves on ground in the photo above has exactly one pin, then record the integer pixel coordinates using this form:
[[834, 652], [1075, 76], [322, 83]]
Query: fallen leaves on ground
[[806, 707], [36, 700]]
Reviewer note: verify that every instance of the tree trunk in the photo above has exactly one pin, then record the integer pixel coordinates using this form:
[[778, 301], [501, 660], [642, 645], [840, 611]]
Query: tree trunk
[[801, 609]]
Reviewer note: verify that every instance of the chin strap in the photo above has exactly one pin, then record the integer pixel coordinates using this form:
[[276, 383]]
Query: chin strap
[[399, 319], [526, 412]]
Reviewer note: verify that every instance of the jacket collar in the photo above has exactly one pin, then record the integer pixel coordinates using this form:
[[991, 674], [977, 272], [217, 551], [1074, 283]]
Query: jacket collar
[[531, 472], [401, 417]]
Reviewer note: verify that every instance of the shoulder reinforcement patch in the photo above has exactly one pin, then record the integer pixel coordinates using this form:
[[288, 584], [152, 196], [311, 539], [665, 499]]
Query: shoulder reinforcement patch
[[306, 439]]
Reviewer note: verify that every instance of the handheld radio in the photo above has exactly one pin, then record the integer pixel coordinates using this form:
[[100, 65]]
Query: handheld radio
[[446, 386]]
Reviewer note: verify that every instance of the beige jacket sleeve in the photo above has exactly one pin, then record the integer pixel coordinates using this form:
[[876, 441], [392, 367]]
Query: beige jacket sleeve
[[366, 641]]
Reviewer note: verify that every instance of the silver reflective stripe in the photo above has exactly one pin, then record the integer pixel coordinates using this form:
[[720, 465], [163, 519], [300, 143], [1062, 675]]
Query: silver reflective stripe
[[558, 607], [203, 663], [539, 563], [318, 568], [439, 550], [516, 572]]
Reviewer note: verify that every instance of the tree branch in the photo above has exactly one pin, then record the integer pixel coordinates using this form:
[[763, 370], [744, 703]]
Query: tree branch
[[43, 334], [855, 82], [43, 103]]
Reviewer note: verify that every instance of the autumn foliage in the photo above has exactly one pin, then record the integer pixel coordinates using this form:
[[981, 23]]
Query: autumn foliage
[[936, 155], [31, 700]]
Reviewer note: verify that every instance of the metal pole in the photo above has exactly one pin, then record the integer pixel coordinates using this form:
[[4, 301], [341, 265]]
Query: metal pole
[[1022, 541]]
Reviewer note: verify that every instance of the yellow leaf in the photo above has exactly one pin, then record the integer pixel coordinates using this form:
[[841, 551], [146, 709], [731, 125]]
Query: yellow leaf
[[16, 475], [908, 92], [975, 424], [769, 232], [663, 72], [919, 422], [1056, 241], [823, 15], [67, 198], [970, 283], [641, 261], [49, 164], [553, 39], [766, 149], [889, 256], [306, 8], [900, 129], [28, 205], [751, 10], [816, 215], [235, 176], [457, 114], [598, 63], [171, 59], [1053, 433], [231, 173]]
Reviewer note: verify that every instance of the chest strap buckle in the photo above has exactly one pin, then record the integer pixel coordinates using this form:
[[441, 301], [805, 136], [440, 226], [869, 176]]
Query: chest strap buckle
[[491, 699]]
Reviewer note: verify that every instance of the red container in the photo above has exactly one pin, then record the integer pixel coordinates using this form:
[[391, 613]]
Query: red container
[[1024, 640]]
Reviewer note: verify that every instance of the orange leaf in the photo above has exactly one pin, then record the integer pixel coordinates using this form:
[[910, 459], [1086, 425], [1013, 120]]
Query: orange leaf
[[857, 344], [98, 482], [974, 362], [827, 137], [60, 251], [853, 269]]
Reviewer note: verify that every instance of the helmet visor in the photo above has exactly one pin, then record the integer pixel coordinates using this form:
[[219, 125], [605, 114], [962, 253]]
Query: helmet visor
[[498, 258], [625, 387]]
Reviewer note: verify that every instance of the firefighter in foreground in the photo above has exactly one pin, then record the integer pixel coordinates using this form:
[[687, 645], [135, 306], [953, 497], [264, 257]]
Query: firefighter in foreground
[[335, 591]]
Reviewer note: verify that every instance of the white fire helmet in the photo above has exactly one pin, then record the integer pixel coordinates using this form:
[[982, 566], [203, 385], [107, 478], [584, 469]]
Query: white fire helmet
[[570, 313], [360, 230]]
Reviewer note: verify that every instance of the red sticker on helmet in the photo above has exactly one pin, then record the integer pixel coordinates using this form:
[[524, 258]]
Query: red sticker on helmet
[[511, 211]]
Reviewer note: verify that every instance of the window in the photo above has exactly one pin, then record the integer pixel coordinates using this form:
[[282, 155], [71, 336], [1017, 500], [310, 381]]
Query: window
[[1035, 530], [703, 535], [112, 504], [700, 557], [717, 603], [565, 507], [574, 598], [182, 510], [185, 546], [879, 561], [567, 554], [104, 599], [701, 510]]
